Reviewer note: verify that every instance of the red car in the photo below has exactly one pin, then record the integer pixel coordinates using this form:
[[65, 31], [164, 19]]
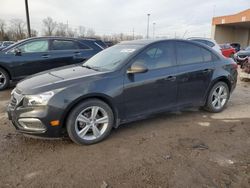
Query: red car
[[227, 50]]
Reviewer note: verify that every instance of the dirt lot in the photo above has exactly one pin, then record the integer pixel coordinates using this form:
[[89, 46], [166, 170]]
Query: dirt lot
[[191, 148]]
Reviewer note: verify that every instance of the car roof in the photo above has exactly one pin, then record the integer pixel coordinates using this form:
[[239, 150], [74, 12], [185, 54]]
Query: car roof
[[59, 37], [145, 42], [201, 38], [54, 37]]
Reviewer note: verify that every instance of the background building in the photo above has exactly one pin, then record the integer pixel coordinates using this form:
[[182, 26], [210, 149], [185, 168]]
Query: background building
[[232, 28]]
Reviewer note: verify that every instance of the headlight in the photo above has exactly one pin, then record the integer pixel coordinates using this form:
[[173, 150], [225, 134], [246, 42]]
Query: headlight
[[37, 100]]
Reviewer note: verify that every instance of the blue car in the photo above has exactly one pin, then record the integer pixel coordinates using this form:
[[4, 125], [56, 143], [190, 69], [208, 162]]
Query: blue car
[[38, 54]]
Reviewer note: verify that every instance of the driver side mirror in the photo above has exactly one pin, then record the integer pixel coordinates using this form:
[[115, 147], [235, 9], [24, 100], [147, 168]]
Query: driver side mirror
[[137, 69], [17, 52]]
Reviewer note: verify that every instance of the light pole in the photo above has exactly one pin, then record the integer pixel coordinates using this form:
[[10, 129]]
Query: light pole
[[27, 17], [154, 30], [148, 27]]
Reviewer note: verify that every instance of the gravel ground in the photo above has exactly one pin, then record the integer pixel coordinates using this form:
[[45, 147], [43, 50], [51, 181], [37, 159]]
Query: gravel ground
[[191, 148]]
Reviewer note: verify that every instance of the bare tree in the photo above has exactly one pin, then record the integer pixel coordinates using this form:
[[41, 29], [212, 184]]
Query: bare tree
[[90, 33], [49, 26], [2, 29], [82, 31], [17, 29], [34, 33], [61, 29], [70, 32]]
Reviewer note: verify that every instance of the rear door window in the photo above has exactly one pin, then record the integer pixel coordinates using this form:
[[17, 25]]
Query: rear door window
[[188, 53], [64, 45]]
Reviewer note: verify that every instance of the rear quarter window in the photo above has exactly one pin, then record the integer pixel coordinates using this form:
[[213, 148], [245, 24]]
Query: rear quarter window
[[207, 55]]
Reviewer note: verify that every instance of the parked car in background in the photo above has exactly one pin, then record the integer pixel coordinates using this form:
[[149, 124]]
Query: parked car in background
[[109, 43], [209, 42], [5, 44], [242, 55], [236, 46], [38, 54], [126, 82], [100, 43], [227, 50]]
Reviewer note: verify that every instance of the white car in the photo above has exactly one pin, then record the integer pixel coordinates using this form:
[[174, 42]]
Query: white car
[[209, 42]]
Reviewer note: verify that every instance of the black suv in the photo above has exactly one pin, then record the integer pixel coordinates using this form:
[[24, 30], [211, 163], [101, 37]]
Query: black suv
[[38, 54], [123, 83]]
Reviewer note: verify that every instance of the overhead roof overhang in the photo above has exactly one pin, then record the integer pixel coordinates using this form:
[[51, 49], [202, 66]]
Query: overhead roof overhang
[[241, 19]]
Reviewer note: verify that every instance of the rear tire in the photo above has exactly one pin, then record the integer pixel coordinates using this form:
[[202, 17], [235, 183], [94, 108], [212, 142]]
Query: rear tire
[[90, 122], [4, 79], [218, 97]]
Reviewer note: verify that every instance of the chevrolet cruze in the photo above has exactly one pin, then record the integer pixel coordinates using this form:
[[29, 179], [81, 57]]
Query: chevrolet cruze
[[124, 83]]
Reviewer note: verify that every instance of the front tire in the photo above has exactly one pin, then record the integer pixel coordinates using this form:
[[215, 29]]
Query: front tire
[[218, 97], [90, 122], [4, 79]]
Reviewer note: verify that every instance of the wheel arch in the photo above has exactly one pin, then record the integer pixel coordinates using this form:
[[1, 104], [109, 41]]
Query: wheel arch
[[101, 97], [7, 70], [224, 79]]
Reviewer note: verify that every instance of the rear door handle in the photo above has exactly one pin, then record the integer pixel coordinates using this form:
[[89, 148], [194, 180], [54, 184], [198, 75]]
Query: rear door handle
[[170, 78], [77, 53], [45, 56]]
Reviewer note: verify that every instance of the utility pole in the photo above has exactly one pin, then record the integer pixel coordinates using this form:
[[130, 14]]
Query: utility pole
[[67, 30], [148, 27], [27, 17], [133, 33], [154, 30]]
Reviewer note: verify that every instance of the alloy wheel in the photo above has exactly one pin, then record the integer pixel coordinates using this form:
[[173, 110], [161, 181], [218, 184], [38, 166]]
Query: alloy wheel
[[219, 97], [2, 79], [91, 123]]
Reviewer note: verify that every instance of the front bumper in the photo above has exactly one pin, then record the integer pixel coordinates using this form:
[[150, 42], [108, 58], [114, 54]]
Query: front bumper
[[36, 120]]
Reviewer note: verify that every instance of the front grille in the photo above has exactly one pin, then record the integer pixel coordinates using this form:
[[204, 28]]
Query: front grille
[[18, 91]]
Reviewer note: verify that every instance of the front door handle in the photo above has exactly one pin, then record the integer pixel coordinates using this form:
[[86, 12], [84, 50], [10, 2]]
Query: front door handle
[[171, 78], [77, 53]]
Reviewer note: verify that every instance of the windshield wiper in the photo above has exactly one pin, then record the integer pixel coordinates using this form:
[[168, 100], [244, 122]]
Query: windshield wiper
[[86, 66], [91, 67]]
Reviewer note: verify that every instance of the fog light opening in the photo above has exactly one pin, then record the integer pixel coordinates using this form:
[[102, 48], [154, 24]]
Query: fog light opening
[[31, 124]]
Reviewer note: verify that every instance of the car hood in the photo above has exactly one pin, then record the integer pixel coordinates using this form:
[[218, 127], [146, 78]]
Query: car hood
[[55, 79], [243, 52]]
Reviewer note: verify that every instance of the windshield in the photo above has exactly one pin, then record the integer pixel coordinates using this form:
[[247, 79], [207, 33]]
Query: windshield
[[111, 58]]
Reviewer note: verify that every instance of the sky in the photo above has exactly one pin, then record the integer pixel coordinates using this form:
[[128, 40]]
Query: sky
[[188, 18]]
